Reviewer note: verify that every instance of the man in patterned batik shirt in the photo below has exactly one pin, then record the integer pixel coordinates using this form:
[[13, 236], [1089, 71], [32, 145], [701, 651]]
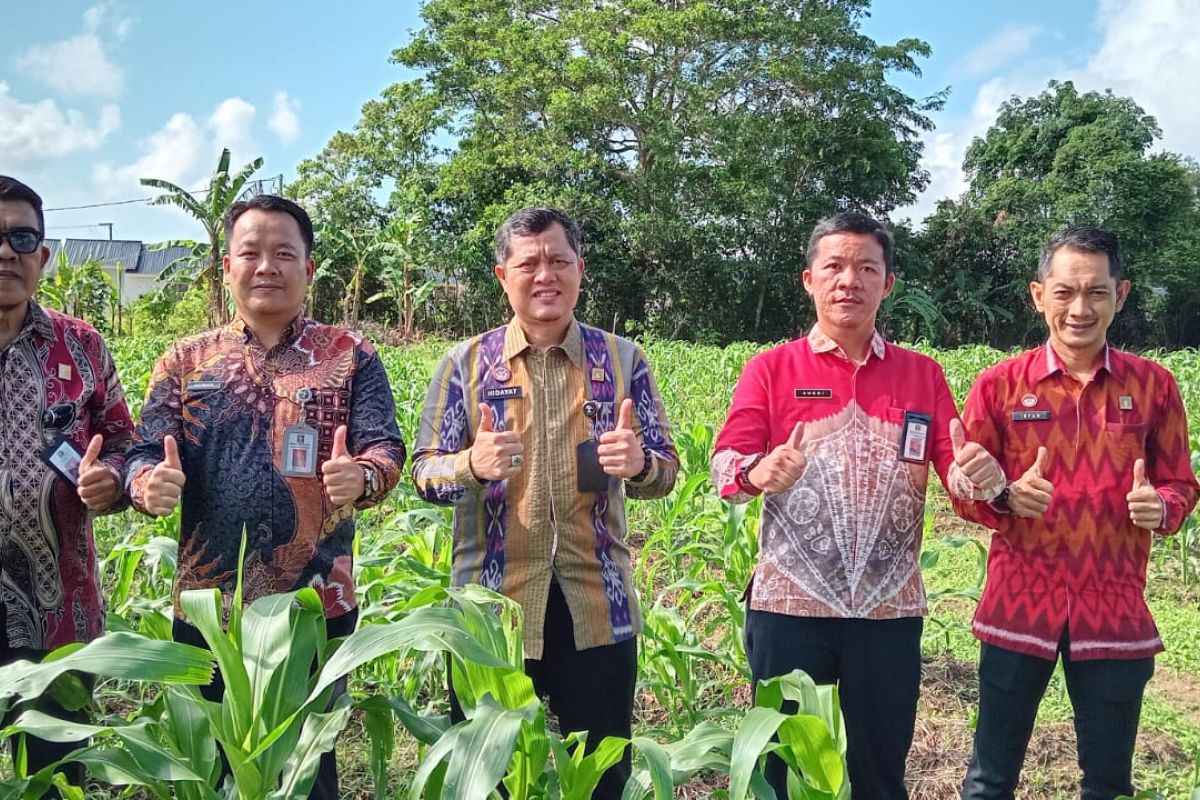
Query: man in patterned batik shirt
[[838, 430], [274, 424], [535, 432], [64, 430], [1095, 444]]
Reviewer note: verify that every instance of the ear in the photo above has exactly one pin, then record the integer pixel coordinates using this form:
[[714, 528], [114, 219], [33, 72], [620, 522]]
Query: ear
[[310, 269], [498, 269], [889, 283], [806, 280], [581, 267], [1036, 288], [225, 269], [1122, 294], [45, 258]]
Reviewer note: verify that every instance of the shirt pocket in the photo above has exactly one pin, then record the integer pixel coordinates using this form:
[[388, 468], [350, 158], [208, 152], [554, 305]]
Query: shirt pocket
[[1126, 437]]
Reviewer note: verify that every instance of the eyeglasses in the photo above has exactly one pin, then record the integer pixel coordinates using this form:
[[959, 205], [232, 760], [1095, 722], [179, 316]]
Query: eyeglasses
[[22, 240]]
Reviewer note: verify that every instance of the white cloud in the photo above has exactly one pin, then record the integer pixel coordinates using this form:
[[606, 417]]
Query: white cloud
[[34, 133], [285, 118], [1010, 43], [74, 67], [185, 150], [1147, 51], [1150, 52], [232, 126]]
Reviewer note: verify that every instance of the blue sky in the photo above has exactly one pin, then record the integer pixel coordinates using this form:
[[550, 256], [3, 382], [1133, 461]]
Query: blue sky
[[94, 95]]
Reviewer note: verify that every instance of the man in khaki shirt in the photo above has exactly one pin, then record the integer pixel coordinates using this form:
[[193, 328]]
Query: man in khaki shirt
[[535, 432]]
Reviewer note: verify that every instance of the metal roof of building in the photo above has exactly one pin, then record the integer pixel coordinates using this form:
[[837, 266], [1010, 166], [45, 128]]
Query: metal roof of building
[[134, 256]]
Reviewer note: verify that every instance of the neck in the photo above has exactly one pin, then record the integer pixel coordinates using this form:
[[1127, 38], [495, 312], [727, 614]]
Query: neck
[[11, 321], [268, 331], [545, 335], [1081, 364], [855, 342]]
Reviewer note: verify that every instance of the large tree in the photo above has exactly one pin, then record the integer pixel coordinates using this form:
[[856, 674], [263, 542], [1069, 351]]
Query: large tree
[[697, 142], [208, 207], [1060, 158]]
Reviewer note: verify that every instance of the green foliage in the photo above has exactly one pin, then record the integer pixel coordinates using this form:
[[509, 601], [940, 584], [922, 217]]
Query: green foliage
[[697, 143], [207, 207], [83, 291], [1048, 161]]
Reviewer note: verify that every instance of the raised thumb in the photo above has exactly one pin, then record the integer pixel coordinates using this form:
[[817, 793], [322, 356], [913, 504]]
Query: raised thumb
[[339, 443], [1139, 474], [797, 436], [171, 453], [958, 436], [625, 415], [1039, 466], [92, 453], [487, 421]]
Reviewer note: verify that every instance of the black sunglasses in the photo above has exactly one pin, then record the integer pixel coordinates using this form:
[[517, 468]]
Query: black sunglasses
[[23, 240]]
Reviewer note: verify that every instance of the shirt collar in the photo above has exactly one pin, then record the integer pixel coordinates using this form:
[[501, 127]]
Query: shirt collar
[[38, 321], [290, 334], [822, 343], [1050, 363], [515, 342]]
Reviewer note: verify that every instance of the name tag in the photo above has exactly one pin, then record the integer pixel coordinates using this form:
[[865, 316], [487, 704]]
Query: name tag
[[299, 455], [814, 394], [199, 387], [1030, 416], [63, 458], [502, 393], [914, 438]]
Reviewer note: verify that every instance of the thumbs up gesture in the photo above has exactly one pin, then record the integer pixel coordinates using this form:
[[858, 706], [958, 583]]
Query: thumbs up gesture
[[98, 487], [779, 470], [1029, 496], [165, 484], [976, 463], [341, 475], [495, 455], [620, 452], [1145, 506]]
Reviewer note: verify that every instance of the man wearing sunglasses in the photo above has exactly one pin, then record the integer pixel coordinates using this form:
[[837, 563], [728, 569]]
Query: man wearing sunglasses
[[64, 431]]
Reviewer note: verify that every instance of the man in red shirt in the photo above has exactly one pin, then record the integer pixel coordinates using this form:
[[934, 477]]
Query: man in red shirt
[[1097, 442], [838, 430]]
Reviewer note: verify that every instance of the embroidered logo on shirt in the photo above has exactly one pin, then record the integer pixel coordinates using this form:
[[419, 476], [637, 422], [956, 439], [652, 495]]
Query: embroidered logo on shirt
[[1029, 400], [501, 373], [805, 394]]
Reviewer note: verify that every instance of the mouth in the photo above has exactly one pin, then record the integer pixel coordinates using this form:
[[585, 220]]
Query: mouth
[[546, 294], [9, 275], [1080, 327], [265, 287], [847, 301]]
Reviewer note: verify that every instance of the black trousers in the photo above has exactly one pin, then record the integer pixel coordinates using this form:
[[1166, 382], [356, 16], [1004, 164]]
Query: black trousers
[[39, 752], [588, 690], [876, 665], [326, 785], [1105, 694]]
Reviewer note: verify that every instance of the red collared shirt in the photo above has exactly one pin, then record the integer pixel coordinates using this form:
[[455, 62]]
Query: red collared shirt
[[845, 540], [1082, 565]]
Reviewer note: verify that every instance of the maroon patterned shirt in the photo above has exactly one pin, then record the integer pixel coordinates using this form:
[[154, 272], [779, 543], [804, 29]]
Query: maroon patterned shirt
[[56, 378]]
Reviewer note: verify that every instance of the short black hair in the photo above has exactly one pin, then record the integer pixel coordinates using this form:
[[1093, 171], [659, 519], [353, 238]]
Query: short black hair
[[852, 222], [1089, 239], [532, 221], [276, 204], [13, 189]]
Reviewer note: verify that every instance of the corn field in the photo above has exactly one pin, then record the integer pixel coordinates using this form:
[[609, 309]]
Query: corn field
[[697, 733]]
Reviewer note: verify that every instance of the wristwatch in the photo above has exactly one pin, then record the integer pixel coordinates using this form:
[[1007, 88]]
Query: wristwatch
[[371, 482], [1001, 500], [743, 473]]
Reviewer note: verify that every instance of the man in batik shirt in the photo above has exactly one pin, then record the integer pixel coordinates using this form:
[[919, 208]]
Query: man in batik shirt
[[535, 432], [274, 424], [838, 430], [64, 430], [1095, 445]]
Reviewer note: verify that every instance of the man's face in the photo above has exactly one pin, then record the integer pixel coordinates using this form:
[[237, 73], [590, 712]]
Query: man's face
[[848, 279], [19, 272], [266, 268], [541, 277], [1079, 299]]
